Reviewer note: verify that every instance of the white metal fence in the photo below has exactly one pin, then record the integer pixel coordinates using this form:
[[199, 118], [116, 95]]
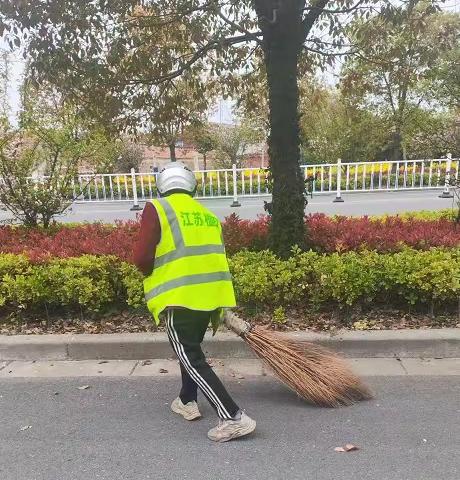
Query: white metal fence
[[331, 178], [338, 178]]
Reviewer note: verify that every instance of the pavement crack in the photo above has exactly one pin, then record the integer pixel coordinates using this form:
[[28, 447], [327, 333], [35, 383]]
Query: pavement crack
[[402, 365], [134, 368], [5, 365]]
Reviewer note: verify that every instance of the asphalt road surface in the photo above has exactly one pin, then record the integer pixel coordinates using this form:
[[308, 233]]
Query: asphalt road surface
[[355, 204], [122, 429]]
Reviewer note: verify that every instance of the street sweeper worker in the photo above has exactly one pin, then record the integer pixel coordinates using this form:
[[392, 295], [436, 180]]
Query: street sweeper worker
[[181, 253]]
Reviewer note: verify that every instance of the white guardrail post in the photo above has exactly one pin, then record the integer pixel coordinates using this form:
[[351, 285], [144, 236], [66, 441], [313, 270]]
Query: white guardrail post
[[135, 206], [446, 192], [235, 203], [338, 198]]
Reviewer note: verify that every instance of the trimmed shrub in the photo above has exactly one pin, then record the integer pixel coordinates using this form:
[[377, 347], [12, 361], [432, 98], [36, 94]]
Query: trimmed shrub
[[447, 214], [70, 241], [250, 234], [391, 234], [262, 281], [344, 234], [310, 279], [87, 282], [324, 234]]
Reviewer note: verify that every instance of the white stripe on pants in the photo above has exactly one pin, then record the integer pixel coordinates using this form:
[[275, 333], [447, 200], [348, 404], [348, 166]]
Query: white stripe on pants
[[194, 374]]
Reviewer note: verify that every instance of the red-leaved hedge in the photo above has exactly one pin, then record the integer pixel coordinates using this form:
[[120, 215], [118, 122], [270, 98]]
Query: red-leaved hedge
[[343, 234], [324, 234], [70, 241]]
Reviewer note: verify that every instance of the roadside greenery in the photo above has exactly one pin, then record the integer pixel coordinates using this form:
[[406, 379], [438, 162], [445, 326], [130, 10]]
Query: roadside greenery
[[409, 279]]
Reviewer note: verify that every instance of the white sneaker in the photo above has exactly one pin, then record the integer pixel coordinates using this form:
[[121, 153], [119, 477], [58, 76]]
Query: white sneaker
[[230, 429], [189, 411]]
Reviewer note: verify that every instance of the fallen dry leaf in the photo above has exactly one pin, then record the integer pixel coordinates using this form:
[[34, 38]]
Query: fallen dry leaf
[[350, 447], [162, 370], [22, 429], [103, 361], [240, 377], [84, 387], [146, 362]]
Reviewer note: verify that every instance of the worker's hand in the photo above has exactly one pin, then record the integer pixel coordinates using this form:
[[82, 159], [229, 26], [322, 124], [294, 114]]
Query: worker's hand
[[217, 318]]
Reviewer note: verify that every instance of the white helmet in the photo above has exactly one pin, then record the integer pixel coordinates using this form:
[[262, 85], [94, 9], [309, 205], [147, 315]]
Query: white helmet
[[176, 176]]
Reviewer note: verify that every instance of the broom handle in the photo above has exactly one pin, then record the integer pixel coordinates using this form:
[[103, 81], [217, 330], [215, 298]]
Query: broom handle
[[236, 324]]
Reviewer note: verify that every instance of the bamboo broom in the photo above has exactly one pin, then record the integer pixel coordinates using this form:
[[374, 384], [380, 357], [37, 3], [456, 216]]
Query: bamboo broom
[[313, 372]]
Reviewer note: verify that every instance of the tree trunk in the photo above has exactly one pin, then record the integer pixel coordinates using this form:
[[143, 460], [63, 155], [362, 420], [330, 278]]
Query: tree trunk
[[205, 165], [172, 152], [396, 153], [282, 46]]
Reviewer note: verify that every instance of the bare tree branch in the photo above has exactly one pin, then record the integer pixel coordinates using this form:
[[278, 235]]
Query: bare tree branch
[[255, 35], [198, 55], [343, 10], [330, 44], [316, 9], [328, 54]]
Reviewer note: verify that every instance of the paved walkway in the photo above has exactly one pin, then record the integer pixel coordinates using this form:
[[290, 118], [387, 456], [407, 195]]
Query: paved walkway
[[234, 368]]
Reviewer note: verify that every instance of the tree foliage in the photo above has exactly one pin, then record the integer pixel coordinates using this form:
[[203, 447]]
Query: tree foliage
[[201, 134], [184, 102], [37, 167], [232, 143], [433, 134], [397, 54], [445, 78], [115, 57], [40, 159], [333, 127], [130, 155]]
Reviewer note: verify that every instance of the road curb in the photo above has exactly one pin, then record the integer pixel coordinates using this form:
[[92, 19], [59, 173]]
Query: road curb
[[443, 343]]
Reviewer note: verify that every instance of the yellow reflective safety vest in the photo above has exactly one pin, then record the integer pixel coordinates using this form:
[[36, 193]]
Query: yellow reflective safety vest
[[191, 268]]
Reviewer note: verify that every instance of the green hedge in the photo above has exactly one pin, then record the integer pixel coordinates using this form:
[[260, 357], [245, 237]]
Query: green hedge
[[428, 215], [312, 280], [88, 282], [262, 281]]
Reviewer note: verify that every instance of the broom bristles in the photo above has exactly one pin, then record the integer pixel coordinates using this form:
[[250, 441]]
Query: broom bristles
[[313, 372]]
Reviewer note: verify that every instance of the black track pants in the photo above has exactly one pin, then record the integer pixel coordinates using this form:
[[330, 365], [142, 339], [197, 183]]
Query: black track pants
[[186, 329]]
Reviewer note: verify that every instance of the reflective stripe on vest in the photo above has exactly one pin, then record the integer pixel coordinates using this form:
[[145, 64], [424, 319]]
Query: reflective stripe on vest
[[181, 250], [188, 280]]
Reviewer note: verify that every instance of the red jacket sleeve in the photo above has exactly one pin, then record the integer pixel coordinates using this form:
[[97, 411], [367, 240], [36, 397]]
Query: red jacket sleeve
[[149, 237]]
